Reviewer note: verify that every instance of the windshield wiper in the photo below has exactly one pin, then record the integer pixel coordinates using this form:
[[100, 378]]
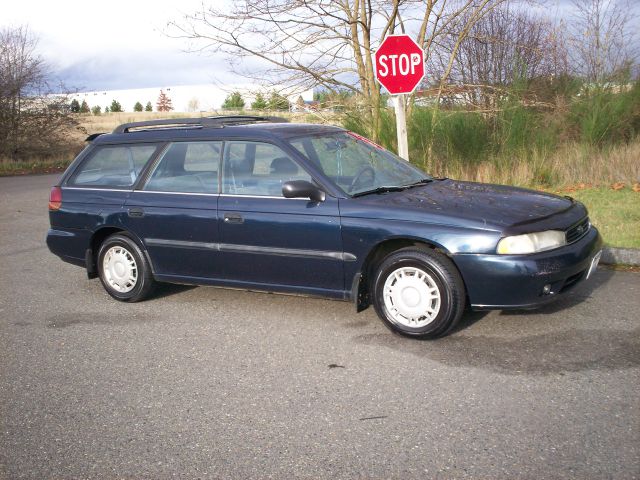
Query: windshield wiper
[[380, 190], [393, 188], [423, 181]]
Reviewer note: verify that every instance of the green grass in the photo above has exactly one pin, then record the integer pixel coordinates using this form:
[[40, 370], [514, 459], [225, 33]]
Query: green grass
[[616, 213]]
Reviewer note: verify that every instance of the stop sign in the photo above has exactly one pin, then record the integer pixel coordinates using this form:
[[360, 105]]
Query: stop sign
[[399, 64]]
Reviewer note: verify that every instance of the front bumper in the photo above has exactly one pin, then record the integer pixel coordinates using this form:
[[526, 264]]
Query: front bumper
[[517, 281]]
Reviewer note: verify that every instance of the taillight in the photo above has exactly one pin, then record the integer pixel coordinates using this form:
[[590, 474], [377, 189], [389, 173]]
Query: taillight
[[55, 198]]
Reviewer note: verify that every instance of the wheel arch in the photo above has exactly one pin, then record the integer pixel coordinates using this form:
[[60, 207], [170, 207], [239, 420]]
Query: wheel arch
[[361, 285], [99, 236]]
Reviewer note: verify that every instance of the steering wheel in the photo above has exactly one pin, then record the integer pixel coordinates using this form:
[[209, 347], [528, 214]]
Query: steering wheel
[[360, 178]]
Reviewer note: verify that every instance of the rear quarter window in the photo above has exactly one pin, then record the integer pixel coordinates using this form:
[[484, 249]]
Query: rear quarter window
[[112, 166]]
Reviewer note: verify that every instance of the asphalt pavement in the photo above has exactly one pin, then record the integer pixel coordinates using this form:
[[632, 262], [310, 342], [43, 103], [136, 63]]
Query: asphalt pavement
[[213, 383]]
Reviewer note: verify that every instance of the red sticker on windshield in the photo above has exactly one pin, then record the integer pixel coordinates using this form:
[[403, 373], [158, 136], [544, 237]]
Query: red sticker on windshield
[[365, 140]]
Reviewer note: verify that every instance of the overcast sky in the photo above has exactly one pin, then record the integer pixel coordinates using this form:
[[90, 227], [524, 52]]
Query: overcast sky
[[122, 45], [118, 45]]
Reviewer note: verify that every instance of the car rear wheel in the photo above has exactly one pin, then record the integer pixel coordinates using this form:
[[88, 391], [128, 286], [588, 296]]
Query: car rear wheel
[[124, 270], [419, 293]]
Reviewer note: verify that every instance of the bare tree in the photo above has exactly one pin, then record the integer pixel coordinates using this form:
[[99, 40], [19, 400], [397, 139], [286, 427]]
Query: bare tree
[[603, 37], [326, 43], [32, 121], [506, 45], [193, 105]]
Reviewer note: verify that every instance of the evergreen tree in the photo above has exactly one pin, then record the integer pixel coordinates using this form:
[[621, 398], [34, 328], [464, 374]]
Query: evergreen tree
[[164, 103], [234, 101], [259, 103], [74, 106], [115, 106], [96, 110], [84, 108], [106, 109], [278, 102], [137, 107], [148, 107]]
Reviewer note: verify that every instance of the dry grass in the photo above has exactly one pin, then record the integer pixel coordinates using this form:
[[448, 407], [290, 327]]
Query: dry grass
[[10, 167], [569, 165], [106, 122]]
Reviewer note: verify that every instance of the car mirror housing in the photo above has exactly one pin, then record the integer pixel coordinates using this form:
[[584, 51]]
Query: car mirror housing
[[302, 189]]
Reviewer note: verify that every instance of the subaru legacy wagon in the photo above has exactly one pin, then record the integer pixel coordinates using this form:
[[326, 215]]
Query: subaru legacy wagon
[[258, 203]]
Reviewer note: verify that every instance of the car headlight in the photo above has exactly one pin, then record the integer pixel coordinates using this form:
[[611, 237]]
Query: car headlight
[[531, 242]]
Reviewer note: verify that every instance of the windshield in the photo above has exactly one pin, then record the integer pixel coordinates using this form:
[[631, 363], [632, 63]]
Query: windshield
[[357, 165]]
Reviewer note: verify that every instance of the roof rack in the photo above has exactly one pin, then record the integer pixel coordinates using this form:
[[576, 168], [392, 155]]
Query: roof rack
[[201, 122]]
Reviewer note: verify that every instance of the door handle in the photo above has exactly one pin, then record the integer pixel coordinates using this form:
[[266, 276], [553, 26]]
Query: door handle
[[233, 218], [136, 212]]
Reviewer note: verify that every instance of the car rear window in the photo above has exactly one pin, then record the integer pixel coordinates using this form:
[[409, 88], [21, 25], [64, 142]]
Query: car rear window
[[112, 166]]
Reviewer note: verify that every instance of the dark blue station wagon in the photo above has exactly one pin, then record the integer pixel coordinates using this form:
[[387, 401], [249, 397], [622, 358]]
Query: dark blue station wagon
[[258, 203]]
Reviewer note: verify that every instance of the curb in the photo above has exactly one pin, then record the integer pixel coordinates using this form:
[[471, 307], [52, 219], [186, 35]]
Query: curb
[[626, 256]]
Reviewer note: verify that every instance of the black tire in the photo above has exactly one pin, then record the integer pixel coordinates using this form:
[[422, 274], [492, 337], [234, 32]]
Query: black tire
[[127, 251], [439, 272]]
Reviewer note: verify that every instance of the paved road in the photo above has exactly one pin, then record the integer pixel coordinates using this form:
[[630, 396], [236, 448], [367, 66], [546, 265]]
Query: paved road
[[204, 382]]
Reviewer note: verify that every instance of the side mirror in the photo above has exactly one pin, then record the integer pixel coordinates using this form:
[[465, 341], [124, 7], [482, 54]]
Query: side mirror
[[302, 189]]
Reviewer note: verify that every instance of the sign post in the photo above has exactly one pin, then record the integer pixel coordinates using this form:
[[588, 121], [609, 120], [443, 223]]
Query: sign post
[[401, 126], [399, 67]]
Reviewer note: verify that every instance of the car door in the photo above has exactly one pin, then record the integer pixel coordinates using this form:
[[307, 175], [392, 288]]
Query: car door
[[175, 212], [268, 240]]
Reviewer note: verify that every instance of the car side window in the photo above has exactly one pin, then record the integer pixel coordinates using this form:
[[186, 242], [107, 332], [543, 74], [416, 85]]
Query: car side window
[[112, 166], [260, 169], [187, 167]]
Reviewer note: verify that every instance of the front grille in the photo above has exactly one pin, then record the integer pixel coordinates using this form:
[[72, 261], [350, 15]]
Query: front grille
[[578, 231]]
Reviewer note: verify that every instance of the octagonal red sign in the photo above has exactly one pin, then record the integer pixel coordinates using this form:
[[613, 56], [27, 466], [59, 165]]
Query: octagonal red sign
[[399, 64]]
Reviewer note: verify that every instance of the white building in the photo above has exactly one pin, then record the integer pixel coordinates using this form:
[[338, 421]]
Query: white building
[[185, 98]]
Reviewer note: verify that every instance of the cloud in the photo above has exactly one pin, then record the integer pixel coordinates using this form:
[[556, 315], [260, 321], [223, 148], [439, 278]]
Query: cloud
[[119, 46], [141, 69]]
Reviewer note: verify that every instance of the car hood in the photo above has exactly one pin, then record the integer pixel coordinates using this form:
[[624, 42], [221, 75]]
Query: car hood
[[480, 204]]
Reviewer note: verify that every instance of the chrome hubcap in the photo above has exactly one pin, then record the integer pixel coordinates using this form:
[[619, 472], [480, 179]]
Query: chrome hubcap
[[411, 297], [120, 269]]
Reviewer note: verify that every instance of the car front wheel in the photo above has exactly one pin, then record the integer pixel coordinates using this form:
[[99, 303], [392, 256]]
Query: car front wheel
[[124, 270], [419, 293]]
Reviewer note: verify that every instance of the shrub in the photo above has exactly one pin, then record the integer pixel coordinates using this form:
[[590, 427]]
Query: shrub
[[84, 107], [604, 117], [259, 103], [115, 106], [234, 101], [277, 102]]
